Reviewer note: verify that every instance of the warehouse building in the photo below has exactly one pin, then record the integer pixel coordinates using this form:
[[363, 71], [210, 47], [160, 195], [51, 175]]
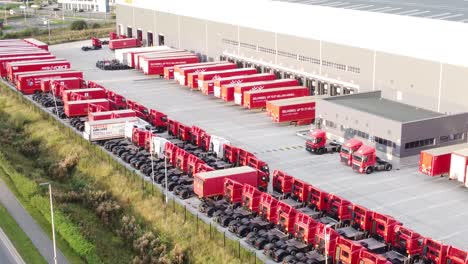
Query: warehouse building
[[416, 61], [87, 5], [394, 128]]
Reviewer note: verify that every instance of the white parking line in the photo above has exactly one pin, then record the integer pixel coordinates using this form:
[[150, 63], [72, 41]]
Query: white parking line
[[464, 20], [313, 2], [451, 16], [332, 4], [438, 15], [407, 12], [392, 9], [380, 8], [353, 6], [362, 7], [337, 5], [420, 13]]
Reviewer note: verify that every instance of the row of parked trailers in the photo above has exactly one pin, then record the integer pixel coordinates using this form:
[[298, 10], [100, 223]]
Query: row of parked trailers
[[284, 99], [451, 161], [286, 225]]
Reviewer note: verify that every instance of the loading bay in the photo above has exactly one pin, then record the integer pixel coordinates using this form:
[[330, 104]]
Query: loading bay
[[434, 207]]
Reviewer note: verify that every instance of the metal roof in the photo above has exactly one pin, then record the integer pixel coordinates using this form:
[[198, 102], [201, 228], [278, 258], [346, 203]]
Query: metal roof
[[429, 39], [225, 172], [374, 104]]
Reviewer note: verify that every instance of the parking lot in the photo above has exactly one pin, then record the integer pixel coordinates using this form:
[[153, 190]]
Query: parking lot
[[435, 207]]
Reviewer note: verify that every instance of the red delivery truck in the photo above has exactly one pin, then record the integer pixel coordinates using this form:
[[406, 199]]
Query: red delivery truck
[[156, 65], [458, 165], [244, 87], [258, 98], [95, 116], [179, 67], [196, 81], [132, 58], [83, 107], [292, 109], [229, 93], [142, 57], [436, 161], [211, 184], [4, 61], [184, 72], [83, 94], [44, 65], [30, 82], [124, 43], [37, 43]]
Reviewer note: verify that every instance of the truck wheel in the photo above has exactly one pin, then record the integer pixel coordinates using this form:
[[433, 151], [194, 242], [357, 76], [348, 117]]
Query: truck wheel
[[184, 194], [289, 259], [369, 170], [388, 167], [320, 151], [210, 211], [338, 149]]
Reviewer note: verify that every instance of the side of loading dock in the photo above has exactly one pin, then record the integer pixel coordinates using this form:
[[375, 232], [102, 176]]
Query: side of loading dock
[[394, 128]]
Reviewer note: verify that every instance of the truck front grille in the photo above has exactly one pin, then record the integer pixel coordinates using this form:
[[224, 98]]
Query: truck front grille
[[356, 167]]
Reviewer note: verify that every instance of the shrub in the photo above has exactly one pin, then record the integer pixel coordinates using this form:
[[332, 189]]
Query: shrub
[[30, 148], [78, 25], [96, 25], [130, 229], [64, 167]]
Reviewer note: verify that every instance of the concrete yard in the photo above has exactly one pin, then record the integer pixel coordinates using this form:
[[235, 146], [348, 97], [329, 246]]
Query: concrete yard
[[434, 207]]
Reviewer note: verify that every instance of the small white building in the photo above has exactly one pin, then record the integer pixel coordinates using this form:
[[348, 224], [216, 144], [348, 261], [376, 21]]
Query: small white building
[[87, 5]]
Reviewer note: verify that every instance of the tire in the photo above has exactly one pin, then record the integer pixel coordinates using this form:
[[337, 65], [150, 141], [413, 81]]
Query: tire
[[320, 151], [171, 186], [369, 170], [388, 167], [184, 194], [210, 211]]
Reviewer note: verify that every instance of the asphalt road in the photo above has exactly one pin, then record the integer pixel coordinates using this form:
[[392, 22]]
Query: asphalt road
[[8, 253], [42, 242], [453, 10], [435, 207]]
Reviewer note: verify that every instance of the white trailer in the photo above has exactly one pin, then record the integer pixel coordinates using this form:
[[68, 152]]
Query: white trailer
[[122, 54], [109, 128]]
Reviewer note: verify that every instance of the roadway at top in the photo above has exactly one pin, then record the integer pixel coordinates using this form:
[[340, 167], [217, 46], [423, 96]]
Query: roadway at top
[[452, 10]]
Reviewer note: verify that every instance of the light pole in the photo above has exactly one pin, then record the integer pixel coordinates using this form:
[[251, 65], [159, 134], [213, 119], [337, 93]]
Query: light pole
[[47, 21], [165, 176], [52, 217], [152, 164], [327, 241]]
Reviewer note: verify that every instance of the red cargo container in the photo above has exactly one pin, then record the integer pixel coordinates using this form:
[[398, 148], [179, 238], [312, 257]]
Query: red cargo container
[[211, 184], [132, 58], [184, 72], [95, 116], [37, 43], [82, 107], [83, 94], [60, 84], [196, 81], [124, 43], [258, 98], [292, 109], [241, 88], [142, 57], [27, 66], [4, 61], [224, 87], [436, 161], [30, 82], [177, 68], [8, 54], [156, 65]]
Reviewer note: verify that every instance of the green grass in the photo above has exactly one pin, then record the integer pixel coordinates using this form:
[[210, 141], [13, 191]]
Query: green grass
[[20, 240]]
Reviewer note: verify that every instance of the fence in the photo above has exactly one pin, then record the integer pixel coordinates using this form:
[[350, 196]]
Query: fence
[[198, 223]]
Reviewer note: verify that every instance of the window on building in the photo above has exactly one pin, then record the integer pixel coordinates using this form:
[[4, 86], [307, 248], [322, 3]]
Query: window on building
[[420, 143], [330, 124], [384, 142], [362, 134], [452, 137]]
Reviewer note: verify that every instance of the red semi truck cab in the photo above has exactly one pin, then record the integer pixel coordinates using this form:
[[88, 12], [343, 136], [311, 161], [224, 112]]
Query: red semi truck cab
[[233, 191], [383, 227], [251, 198], [305, 228], [362, 218], [231, 153], [268, 208], [317, 198], [182, 160], [366, 257], [282, 183], [456, 256], [339, 208], [300, 190], [193, 162], [286, 217], [407, 242], [347, 251], [318, 143], [366, 161], [434, 251], [347, 150]]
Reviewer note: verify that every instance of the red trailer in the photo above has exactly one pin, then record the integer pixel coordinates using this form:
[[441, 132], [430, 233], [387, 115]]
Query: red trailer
[[258, 98], [218, 83], [83, 94], [132, 57], [37, 43], [124, 43], [292, 109], [141, 58], [19, 53], [241, 88], [211, 184], [177, 68], [28, 66], [82, 108], [4, 61], [196, 81], [156, 65], [169, 72], [436, 161], [59, 85], [184, 72], [227, 90], [30, 82], [94, 116]]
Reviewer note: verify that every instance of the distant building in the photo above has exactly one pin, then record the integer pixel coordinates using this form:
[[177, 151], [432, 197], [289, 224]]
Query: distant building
[[87, 5]]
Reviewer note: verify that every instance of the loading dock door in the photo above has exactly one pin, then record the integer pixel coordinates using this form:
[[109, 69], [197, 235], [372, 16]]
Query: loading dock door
[[347, 90], [259, 68], [335, 90], [149, 36], [129, 32], [139, 34], [161, 40], [300, 79], [239, 64], [222, 58], [277, 74], [310, 83], [322, 88]]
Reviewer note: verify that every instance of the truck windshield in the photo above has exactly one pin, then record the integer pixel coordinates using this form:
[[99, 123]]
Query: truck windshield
[[316, 140], [357, 158], [345, 150]]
